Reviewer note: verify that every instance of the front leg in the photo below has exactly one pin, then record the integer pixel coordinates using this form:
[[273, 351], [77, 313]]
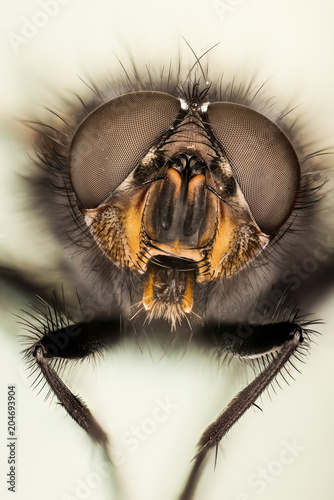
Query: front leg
[[72, 342], [282, 341]]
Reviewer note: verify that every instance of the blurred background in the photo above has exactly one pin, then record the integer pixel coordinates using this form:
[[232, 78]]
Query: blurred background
[[286, 451]]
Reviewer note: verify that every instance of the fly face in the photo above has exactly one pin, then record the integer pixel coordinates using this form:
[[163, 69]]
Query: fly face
[[180, 190]]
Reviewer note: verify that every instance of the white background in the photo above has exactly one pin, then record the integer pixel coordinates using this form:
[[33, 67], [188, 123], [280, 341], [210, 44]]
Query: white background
[[292, 46]]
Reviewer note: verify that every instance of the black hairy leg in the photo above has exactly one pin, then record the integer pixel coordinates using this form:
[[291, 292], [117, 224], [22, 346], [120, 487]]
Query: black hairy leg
[[275, 345], [61, 342]]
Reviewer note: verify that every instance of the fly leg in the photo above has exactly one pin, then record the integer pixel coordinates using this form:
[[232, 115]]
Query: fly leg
[[74, 342], [282, 341]]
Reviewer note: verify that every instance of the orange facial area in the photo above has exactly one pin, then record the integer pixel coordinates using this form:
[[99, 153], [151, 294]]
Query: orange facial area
[[179, 235]]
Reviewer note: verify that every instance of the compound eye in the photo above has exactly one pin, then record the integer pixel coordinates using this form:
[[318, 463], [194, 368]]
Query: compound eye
[[113, 139], [262, 159]]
